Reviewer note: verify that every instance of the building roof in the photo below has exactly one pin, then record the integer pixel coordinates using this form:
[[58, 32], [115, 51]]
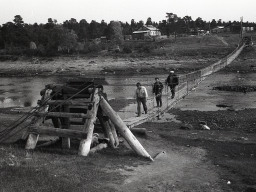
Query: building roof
[[140, 31], [146, 28], [151, 27]]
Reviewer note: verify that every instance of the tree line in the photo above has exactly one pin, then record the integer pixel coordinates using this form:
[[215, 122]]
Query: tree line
[[72, 35]]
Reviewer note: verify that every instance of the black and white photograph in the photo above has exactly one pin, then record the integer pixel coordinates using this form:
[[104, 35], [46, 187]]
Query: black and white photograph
[[127, 96]]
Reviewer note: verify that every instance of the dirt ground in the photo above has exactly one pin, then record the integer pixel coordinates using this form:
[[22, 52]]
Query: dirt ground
[[190, 159]]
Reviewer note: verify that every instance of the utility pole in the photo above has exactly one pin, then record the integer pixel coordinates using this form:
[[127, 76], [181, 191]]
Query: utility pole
[[241, 31]]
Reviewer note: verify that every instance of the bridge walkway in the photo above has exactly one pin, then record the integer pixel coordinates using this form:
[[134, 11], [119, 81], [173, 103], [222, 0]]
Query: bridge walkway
[[188, 83]]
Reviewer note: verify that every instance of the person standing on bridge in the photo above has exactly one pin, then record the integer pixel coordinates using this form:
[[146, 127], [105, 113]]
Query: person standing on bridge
[[172, 81], [141, 95], [157, 90]]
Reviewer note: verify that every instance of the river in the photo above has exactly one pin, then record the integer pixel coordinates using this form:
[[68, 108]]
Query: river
[[25, 91]]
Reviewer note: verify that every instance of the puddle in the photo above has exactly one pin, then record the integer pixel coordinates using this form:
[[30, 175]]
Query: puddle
[[223, 105]]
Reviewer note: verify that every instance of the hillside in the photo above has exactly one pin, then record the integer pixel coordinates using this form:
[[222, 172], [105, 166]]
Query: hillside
[[184, 54]]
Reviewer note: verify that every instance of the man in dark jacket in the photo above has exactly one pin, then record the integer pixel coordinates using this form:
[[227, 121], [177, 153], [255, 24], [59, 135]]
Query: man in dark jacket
[[172, 81], [157, 90]]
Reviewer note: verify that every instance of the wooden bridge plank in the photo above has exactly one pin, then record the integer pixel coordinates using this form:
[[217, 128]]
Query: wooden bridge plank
[[66, 133]]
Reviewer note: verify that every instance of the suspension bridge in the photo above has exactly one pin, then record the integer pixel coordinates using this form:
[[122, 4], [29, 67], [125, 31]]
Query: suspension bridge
[[188, 82]]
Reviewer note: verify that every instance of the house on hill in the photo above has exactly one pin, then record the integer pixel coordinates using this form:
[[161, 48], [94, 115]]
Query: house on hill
[[221, 29], [146, 32], [248, 29]]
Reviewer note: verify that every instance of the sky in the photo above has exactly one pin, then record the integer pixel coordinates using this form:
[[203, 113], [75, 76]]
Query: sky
[[38, 11]]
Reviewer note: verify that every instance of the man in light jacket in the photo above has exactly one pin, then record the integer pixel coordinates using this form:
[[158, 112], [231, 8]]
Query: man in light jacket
[[141, 95]]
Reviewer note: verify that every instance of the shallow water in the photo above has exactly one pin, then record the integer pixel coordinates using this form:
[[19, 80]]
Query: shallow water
[[25, 91], [205, 98]]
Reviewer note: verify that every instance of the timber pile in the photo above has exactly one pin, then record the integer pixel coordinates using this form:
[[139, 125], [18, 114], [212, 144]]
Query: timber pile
[[73, 109]]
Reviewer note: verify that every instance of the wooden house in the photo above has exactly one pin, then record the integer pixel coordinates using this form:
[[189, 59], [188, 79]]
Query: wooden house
[[146, 32]]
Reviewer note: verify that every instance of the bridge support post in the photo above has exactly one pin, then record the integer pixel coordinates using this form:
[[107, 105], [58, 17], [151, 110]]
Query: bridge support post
[[36, 121], [105, 124], [123, 129], [85, 144]]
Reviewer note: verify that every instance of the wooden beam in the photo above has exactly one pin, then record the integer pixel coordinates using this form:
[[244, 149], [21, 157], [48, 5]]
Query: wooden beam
[[123, 129], [98, 147], [62, 114], [105, 125], [32, 141], [70, 102], [65, 124], [67, 133], [36, 121], [79, 106], [58, 102], [48, 143], [113, 130], [142, 131], [85, 144]]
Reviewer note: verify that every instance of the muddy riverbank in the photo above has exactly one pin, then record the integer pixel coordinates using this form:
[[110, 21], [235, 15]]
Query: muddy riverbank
[[159, 61], [101, 66]]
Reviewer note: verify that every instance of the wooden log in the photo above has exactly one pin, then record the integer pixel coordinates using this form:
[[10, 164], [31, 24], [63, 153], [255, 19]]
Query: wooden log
[[113, 130], [48, 143], [36, 121], [42, 130], [98, 147], [95, 139], [79, 102], [58, 102], [105, 125], [65, 123], [61, 114], [79, 106], [32, 141], [142, 131], [85, 144], [123, 129]]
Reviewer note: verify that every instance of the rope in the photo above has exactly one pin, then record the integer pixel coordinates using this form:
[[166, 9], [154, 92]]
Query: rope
[[32, 114], [26, 116]]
